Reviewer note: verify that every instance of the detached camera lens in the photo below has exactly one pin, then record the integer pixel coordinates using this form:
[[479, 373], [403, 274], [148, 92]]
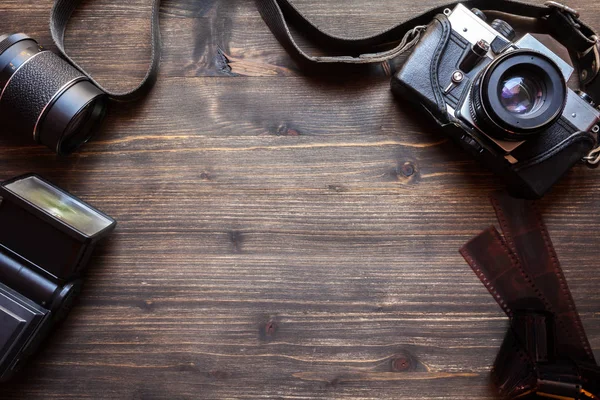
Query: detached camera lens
[[44, 96], [518, 96]]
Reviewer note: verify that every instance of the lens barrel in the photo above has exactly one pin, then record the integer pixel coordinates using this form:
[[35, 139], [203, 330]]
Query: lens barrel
[[518, 96], [44, 96]]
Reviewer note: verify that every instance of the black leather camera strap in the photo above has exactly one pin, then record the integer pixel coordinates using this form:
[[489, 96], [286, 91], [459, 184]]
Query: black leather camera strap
[[546, 350], [561, 22], [61, 13]]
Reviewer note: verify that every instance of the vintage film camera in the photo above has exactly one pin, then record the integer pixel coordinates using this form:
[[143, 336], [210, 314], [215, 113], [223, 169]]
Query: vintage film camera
[[504, 101], [46, 239]]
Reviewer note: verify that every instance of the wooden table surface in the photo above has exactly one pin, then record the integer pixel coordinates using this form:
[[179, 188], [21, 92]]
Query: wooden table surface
[[279, 236]]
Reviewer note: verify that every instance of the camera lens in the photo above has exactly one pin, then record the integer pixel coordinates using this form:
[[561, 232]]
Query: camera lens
[[518, 96], [44, 96]]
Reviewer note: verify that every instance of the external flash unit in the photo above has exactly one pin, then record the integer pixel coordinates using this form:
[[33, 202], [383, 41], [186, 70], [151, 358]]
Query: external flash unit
[[46, 239]]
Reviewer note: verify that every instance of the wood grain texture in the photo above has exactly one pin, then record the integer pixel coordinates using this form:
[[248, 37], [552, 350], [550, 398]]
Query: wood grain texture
[[272, 240]]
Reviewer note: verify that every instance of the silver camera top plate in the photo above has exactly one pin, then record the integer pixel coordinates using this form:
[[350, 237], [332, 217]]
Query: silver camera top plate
[[471, 27]]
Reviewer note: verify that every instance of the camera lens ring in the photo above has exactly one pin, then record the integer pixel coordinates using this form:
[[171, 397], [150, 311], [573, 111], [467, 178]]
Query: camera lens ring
[[82, 126], [72, 123], [13, 67], [10, 39], [50, 104], [73, 118], [528, 76]]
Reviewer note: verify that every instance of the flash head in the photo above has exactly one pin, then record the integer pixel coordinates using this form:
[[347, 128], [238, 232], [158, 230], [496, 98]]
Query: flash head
[[62, 228], [46, 239]]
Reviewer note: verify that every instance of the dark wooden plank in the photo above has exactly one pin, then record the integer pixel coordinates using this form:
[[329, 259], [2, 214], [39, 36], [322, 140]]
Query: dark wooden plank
[[279, 236]]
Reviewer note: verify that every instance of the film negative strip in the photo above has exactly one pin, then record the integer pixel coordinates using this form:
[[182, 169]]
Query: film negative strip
[[546, 352], [526, 235]]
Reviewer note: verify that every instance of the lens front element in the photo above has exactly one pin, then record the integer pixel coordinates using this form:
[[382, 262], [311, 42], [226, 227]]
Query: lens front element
[[522, 94]]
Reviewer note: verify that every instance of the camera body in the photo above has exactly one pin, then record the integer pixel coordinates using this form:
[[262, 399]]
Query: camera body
[[507, 103], [46, 239]]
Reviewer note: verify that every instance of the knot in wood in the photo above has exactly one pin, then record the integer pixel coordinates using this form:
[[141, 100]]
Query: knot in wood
[[401, 364]]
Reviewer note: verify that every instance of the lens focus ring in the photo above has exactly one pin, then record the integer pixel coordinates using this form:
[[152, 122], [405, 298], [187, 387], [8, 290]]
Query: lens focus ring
[[32, 87]]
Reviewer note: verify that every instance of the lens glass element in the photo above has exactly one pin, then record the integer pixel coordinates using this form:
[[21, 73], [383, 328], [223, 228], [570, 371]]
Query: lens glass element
[[521, 93]]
